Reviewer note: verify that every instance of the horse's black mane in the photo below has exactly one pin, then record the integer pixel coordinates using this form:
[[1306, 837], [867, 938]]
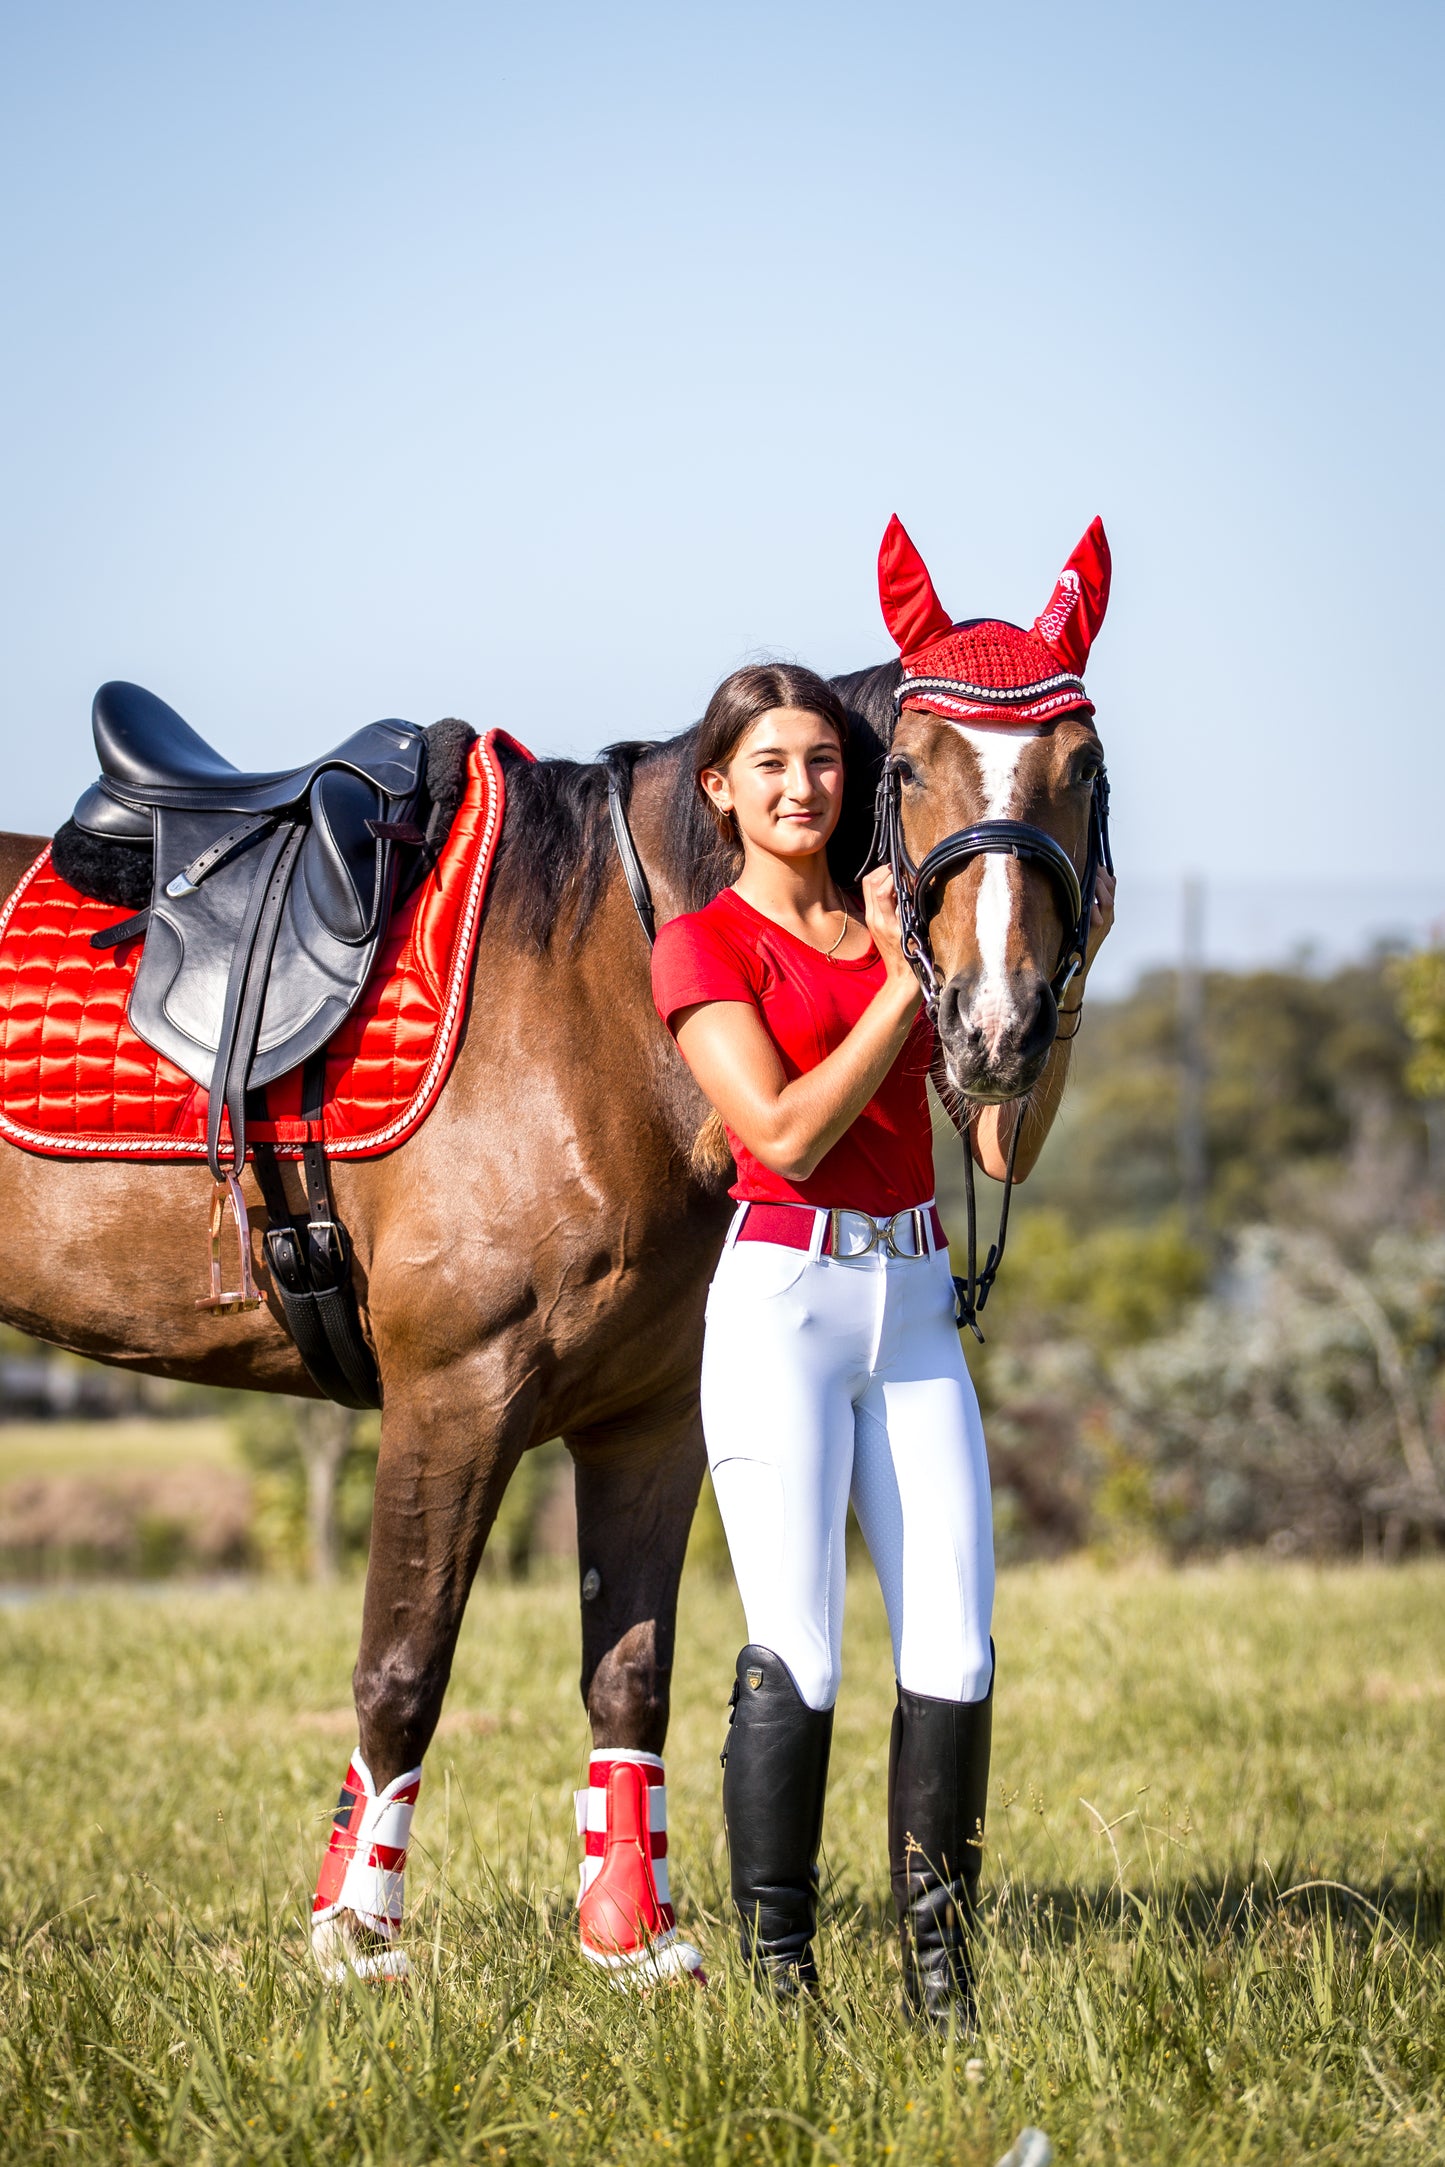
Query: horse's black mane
[[557, 851]]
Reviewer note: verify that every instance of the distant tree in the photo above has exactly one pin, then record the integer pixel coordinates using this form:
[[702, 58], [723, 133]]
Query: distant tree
[[1419, 981], [1303, 1072]]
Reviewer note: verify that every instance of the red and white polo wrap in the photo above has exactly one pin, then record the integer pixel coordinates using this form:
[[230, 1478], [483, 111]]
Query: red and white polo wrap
[[624, 1906], [364, 1870]]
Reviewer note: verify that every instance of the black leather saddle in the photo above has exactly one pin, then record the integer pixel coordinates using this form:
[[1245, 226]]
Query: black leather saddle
[[269, 893]]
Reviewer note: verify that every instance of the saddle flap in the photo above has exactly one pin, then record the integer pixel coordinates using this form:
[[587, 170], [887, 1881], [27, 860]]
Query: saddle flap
[[343, 865]]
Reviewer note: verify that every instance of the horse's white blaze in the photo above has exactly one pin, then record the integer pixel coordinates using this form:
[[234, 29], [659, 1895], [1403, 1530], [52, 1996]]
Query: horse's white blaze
[[997, 752]]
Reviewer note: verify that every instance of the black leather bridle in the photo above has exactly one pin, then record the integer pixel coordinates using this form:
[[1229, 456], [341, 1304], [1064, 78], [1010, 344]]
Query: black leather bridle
[[920, 887], [920, 896]]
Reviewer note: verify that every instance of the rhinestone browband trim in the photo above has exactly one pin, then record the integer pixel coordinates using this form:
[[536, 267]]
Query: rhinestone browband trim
[[956, 688]]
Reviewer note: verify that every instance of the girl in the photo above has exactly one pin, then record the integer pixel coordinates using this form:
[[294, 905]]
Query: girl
[[832, 1365]]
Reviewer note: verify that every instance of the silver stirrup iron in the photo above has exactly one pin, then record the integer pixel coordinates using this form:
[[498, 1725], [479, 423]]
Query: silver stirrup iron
[[245, 1296]]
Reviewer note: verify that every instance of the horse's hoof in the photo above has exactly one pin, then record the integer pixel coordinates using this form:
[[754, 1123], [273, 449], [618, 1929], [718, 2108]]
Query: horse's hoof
[[343, 1943], [655, 1963]]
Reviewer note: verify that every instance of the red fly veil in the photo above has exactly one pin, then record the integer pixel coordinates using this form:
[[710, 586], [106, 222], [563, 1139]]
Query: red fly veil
[[984, 670]]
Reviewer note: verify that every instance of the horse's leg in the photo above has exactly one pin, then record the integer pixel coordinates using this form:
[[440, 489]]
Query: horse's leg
[[635, 1499], [449, 1445]]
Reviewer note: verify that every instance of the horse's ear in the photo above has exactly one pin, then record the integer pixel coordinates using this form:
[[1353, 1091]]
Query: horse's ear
[[1077, 605], [911, 609]]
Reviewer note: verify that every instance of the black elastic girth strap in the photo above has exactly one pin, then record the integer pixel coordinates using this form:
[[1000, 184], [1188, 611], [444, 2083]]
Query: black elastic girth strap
[[285, 1253], [310, 1263], [329, 1252]]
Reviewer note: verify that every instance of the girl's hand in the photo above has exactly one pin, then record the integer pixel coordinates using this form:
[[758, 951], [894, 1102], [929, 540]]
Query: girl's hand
[[1102, 920], [880, 909]]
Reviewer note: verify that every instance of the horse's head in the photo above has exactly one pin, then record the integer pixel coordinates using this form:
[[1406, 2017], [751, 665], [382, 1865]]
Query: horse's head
[[993, 809]]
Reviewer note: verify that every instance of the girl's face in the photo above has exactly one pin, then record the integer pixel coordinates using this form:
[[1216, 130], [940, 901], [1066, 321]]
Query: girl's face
[[783, 783]]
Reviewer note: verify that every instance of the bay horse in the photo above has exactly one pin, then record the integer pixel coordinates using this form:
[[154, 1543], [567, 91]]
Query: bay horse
[[534, 1261]]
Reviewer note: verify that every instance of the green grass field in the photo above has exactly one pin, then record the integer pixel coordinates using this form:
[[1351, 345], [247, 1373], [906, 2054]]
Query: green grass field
[[107, 1448], [1216, 1851]]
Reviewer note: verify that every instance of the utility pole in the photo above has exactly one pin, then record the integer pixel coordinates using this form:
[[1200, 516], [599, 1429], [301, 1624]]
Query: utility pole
[[1193, 1161]]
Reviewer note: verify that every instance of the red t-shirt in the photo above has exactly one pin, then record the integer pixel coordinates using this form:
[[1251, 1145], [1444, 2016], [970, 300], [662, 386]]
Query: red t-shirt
[[808, 1003]]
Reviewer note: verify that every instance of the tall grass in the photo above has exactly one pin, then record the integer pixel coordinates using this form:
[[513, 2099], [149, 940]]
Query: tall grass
[[1212, 1932]]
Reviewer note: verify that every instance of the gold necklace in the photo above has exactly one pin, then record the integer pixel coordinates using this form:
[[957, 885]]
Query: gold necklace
[[829, 953]]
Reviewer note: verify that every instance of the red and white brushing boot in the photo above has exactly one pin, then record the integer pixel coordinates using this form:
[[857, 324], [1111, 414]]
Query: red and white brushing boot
[[625, 1908], [356, 1918]]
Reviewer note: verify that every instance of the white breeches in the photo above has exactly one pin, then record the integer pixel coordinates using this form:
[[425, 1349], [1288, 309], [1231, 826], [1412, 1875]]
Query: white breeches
[[825, 1378]]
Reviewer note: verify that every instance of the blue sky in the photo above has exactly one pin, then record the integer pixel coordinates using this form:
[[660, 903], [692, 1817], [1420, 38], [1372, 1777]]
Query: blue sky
[[541, 365]]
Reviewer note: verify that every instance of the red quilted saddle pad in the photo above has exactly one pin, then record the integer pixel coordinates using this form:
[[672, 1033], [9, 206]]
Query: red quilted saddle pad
[[76, 1082]]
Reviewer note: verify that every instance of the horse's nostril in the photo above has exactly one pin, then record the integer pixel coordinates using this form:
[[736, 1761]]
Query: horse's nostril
[[1041, 1024]]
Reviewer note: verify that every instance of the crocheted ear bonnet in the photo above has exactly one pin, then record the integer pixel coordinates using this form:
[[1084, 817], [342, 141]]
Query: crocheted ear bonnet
[[984, 670]]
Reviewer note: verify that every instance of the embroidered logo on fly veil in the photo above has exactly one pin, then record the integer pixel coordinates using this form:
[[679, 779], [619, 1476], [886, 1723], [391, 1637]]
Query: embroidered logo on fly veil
[[1061, 608]]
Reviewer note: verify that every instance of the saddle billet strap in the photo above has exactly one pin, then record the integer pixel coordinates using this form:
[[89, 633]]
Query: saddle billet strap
[[128, 929], [245, 995], [310, 1262]]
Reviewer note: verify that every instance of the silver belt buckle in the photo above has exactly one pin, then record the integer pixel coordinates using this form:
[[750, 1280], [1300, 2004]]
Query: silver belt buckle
[[855, 1220], [913, 1218], [882, 1233]]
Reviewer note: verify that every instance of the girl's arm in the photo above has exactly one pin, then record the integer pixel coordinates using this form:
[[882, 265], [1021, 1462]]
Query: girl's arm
[[790, 1126], [992, 1133]]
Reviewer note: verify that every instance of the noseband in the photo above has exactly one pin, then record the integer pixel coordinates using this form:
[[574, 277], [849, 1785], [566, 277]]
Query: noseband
[[920, 896]]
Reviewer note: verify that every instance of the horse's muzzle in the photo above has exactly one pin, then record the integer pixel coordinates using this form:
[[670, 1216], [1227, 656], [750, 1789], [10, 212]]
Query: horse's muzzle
[[996, 1035]]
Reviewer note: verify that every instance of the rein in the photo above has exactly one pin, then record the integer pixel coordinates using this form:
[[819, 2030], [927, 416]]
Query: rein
[[633, 871], [920, 891]]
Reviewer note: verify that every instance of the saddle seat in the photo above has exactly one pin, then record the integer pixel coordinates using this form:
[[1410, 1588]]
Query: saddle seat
[[151, 758]]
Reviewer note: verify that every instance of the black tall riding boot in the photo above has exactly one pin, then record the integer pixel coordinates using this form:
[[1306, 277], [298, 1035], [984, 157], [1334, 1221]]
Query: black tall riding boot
[[775, 1772], [937, 1796]]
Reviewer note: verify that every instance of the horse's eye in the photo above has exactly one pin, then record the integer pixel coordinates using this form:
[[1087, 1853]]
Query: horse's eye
[[903, 769], [1087, 772]]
